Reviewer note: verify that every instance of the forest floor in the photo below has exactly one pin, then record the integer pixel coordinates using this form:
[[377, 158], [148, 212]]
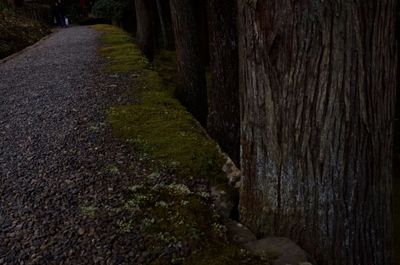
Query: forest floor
[[18, 32], [78, 185]]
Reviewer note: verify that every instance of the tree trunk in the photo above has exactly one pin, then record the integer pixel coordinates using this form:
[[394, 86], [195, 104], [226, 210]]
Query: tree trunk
[[144, 29], [162, 24], [129, 18], [318, 81], [202, 22], [19, 3], [396, 148], [223, 118], [191, 76]]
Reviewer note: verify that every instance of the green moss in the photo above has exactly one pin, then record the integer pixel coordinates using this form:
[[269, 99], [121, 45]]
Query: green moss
[[169, 134], [120, 49], [88, 210], [173, 219], [171, 213], [180, 222], [164, 128], [165, 65], [112, 169]]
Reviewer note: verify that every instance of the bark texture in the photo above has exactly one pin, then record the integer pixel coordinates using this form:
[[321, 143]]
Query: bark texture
[[317, 90], [224, 114], [191, 75], [145, 27]]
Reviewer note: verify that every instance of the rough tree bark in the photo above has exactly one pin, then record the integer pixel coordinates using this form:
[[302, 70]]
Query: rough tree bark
[[224, 115], [145, 28], [318, 81], [191, 75]]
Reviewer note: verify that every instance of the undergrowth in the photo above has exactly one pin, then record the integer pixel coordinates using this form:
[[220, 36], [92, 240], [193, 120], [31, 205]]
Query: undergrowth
[[181, 225], [18, 32]]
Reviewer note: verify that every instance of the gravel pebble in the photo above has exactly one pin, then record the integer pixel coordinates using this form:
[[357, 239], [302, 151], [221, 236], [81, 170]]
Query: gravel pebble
[[55, 147]]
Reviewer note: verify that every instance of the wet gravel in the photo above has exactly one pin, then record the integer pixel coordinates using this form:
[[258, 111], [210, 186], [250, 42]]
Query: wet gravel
[[56, 153]]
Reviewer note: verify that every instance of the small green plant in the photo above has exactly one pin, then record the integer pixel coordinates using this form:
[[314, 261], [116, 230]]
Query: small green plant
[[89, 210], [112, 169], [125, 226]]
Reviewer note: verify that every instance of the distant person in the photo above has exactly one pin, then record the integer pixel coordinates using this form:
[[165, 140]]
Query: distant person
[[59, 10]]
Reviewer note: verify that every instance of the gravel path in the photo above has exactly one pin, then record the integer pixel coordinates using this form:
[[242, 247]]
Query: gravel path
[[56, 153]]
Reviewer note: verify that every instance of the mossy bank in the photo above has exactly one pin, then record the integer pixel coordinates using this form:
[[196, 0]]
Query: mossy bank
[[179, 220], [18, 32]]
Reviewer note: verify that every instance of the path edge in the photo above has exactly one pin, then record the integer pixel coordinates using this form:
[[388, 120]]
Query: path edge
[[30, 47]]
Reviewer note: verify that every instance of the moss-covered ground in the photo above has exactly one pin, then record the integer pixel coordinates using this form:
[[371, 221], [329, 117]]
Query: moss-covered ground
[[159, 124], [178, 221], [18, 32]]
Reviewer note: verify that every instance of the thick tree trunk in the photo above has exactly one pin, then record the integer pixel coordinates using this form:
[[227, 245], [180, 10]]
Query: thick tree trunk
[[223, 120], [318, 81], [191, 76], [145, 28]]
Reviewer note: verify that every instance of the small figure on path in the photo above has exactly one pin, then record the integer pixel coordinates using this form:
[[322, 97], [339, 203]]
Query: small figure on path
[[59, 12]]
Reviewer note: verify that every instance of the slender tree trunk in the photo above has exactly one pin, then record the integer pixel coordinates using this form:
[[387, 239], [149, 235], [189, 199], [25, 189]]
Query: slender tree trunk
[[162, 24], [223, 119], [191, 76], [318, 81], [145, 30]]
